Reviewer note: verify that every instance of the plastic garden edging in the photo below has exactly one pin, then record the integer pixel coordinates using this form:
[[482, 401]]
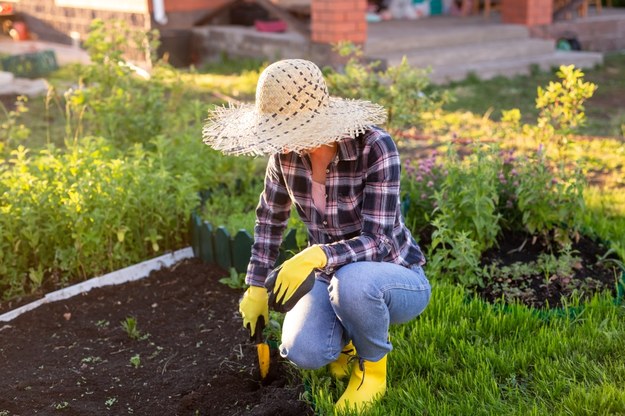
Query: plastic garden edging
[[216, 245], [128, 274]]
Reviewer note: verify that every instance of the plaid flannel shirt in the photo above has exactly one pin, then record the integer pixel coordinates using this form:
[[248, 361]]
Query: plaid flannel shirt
[[362, 221]]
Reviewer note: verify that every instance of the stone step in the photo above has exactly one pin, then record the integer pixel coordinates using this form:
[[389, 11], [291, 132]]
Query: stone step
[[470, 53], [513, 67], [390, 41]]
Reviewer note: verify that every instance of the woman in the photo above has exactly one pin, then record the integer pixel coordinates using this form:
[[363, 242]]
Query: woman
[[342, 173]]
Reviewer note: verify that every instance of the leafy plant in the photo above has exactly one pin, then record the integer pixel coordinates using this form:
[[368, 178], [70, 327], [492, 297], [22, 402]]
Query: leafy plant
[[118, 100], [402, 90], [561, 104], [61, 405], [135, 360], [12, 132], [129, 325], [454, 255], [550, 198], [235, 280], [421, 179], [110, 402], [233, 205], [468, 198]]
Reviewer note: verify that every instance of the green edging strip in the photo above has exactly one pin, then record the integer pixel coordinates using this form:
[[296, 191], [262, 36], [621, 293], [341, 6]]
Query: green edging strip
[[30, 65], [216, 245]]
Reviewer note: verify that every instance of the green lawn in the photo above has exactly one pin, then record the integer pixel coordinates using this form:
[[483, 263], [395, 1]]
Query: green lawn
[[464, 357]]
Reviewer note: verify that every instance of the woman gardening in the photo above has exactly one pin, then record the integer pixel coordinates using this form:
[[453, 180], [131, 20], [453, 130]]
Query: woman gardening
[[362, 270]]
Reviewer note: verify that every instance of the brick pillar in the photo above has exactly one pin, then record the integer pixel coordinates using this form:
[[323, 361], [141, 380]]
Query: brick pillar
[[338, 20], [527, 12]]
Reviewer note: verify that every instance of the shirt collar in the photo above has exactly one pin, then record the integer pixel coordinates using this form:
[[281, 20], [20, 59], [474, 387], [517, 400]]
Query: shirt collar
[[348, 148]]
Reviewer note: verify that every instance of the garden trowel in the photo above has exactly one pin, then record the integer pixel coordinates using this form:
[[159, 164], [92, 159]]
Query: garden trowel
[[262, 348]]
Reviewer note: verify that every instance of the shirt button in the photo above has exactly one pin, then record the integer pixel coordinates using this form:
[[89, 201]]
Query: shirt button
[[326, 196], [325, 223], [327, 170]]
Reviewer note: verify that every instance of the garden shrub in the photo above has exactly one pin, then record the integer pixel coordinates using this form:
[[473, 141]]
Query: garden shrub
[[402, 90], [471, 199], [82, 211], [117, 100], [107, 200], [420, 179]]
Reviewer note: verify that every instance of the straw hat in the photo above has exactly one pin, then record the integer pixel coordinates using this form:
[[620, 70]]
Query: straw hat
[[293, 112]]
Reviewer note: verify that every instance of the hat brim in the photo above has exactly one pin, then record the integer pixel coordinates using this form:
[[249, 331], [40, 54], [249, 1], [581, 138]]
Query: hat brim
[[241, 130]]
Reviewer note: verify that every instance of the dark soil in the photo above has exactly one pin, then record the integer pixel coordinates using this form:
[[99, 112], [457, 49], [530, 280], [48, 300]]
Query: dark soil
[[192, 357], [589, 269]]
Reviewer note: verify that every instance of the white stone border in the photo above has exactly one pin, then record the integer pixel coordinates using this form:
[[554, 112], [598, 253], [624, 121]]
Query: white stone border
[[135, 272]]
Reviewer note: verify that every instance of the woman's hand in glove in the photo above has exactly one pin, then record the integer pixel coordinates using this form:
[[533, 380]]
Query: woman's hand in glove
[[254, 304], [295, 278]]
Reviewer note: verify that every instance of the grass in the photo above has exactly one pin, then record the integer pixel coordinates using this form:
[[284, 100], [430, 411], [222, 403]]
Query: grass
[[606, 216], [465, 357]]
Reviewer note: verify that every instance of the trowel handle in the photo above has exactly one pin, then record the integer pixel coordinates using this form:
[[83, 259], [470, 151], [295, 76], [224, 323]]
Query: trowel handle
[[258, 330]]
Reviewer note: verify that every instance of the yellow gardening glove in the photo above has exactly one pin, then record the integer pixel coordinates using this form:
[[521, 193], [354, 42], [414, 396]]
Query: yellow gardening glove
[[294, 278], [253, 305]]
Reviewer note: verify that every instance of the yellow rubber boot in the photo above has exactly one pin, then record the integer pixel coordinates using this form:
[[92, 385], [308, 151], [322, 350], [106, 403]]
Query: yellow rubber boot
[[367, 384], [340, 367]]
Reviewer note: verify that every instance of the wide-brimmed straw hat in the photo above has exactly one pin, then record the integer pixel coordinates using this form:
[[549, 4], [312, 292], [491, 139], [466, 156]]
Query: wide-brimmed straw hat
[[293, 112]]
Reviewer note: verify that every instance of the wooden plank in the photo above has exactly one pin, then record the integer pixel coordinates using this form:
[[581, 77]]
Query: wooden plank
[[241, 250], [223, 255], [207, 252]]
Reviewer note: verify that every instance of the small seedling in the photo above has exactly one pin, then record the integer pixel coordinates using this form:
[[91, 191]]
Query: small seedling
[[110, 401], [61, 406], [135, 360], [235, 280], [130, 326], [91, 360], [103, 323]]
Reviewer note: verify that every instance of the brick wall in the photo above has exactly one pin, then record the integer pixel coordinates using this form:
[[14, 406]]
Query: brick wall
[[338, 20], [191, 5], [47, 21], [527, 12]]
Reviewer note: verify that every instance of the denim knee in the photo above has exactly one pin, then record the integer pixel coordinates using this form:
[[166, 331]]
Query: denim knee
[[348, 292], [305, 355]]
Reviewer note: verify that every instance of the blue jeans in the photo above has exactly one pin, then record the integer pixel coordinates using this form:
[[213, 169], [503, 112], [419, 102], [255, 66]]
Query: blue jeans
[[359, 304]]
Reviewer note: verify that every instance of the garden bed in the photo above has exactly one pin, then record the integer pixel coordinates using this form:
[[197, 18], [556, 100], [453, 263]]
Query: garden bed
[[539, 276], [191, 355]]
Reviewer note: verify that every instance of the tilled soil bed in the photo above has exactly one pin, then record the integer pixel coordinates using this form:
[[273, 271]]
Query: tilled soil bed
[[191, 357]]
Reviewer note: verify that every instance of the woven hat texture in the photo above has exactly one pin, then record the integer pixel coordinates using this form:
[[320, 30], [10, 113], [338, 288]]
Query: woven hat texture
[[292, 112]]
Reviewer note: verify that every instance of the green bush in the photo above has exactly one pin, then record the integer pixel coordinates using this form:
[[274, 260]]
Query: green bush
[[402, 90], [468, 201], [118, 100], [76, 213]]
